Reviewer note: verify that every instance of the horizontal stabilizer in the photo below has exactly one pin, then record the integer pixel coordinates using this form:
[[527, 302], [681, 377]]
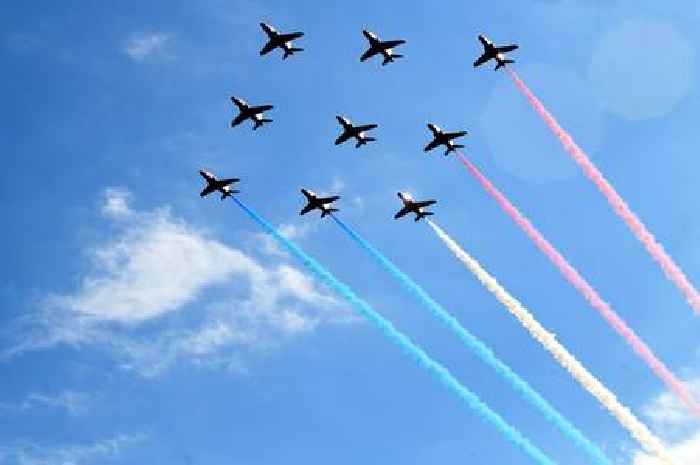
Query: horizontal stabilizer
[[328, 211]]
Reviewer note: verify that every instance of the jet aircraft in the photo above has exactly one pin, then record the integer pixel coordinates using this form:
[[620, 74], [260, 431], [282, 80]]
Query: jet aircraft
[[492, 52], [282, 41], [220, 185], [245, 112], [377, 46], [358, 132], [413, 206], [443, 138], [321, 203]]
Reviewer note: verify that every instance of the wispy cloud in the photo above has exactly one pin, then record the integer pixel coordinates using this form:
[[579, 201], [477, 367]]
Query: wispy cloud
[[134, 296], [116, 203], [669, 415], [28, 453], [74, 403], [673, 422], [139, 47]]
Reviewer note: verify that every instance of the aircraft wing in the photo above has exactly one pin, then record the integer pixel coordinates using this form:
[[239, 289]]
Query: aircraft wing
[[369, 35], [270, 46], [308, 194], [506, 48], [238, 120], [402, 212], [291, 36], [392, 43], [366, 127], [226, 182], [425, 203], [368, 54], [207, 190], [325, 200], [261, 108], [269, 30], [431, 145], [342, 138], [306, 209], [481, 60], [454, 135], [207, 175], [484, 41]]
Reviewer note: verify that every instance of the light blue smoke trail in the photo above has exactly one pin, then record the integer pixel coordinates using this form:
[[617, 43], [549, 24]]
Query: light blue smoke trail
[[484, 353], [438, 371]]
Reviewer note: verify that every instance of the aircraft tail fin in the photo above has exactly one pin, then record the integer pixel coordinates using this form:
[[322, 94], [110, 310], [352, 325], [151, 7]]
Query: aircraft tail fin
[[453, 148], [502, 63], [363, 141], [290, 51], [261, 122], [390, 58], [229, 194], [328, 211]]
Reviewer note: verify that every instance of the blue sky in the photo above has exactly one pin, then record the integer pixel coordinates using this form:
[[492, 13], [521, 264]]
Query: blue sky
[[142, 324]]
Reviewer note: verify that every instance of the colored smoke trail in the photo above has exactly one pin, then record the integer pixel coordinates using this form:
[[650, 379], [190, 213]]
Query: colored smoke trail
[[438, 371], [587, 291], [483, 352], [637, 429], [656, 250]]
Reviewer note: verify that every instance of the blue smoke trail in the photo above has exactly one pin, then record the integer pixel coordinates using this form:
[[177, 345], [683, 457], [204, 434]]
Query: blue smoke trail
[[438, 371], [484, 353]]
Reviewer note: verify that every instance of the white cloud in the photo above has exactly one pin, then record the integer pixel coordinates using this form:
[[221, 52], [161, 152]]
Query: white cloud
[[685, 452], [74, 403], [677, 425], [291, 231], [156, 267], [669, 415], [142, 46], [136, 299], [27, 453], [116, 203]]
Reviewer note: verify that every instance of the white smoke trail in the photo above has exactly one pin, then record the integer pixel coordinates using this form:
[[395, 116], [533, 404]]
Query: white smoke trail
[[590, 383]]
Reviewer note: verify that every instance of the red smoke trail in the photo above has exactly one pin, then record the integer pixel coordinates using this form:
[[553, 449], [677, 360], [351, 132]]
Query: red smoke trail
[[656, 250], [590, 294]]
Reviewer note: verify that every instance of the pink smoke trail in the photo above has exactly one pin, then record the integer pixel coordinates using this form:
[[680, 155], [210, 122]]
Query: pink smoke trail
[[590, 294], [656, 250]]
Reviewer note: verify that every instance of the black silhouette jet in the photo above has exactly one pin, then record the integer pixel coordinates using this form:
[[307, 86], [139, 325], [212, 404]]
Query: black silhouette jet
[[315, 202], [413, 206], [377, 46], [277, 40], [492, 52], [254, 114]]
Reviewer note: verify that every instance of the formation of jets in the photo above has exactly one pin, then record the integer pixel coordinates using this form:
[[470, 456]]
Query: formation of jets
[[350, 131]]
